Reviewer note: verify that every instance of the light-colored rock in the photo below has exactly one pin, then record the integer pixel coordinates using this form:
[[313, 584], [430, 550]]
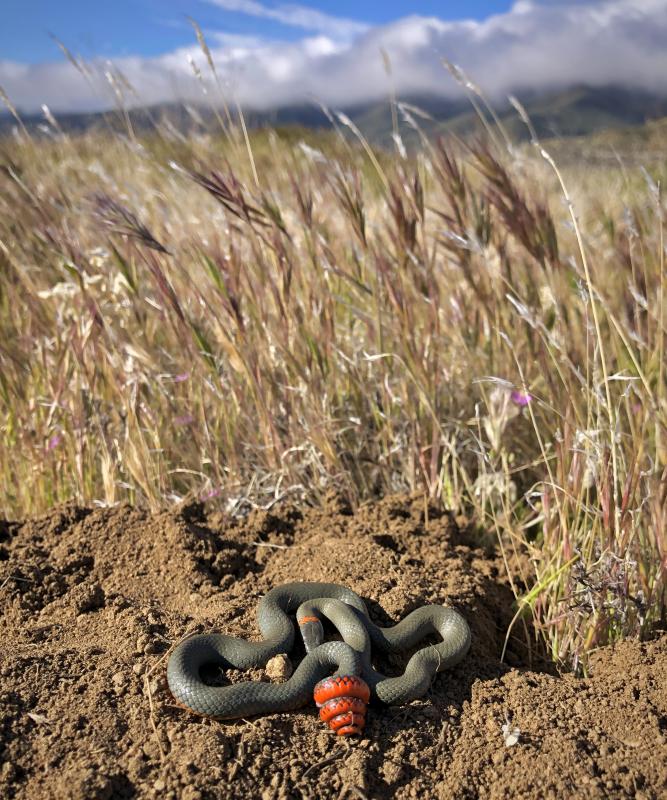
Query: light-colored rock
[[279, 668]]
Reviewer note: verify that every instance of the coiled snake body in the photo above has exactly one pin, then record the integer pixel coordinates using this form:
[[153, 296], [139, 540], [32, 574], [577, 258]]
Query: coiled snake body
[[351, 657]]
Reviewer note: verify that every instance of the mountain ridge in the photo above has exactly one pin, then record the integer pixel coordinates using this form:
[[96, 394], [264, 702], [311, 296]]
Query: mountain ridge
[[574, 111]]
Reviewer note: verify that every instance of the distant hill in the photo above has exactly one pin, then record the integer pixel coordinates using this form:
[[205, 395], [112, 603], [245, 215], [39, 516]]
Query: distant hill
[[577, 111], [640, 145]]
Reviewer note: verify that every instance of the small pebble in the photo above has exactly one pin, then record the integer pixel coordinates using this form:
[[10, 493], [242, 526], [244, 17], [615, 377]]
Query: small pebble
[[151, 750], [279, 667], [7, 771]]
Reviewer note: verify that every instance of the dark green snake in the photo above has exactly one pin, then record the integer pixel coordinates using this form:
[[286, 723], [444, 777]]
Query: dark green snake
[[352, 656]]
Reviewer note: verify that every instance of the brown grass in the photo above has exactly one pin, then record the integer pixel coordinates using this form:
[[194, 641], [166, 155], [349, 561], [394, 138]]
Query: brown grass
[[177, 319]]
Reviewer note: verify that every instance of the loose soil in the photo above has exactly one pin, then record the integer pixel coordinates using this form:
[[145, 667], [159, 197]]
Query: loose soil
[[92, 600]]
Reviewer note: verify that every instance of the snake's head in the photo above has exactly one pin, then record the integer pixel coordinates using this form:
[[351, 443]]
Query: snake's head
[[343, 700], [312, 632]]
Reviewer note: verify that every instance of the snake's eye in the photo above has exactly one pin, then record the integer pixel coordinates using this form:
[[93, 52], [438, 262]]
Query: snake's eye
[[342, 701]]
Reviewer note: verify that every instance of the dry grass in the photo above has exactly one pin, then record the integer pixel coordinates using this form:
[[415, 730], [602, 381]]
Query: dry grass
[[452, 322]]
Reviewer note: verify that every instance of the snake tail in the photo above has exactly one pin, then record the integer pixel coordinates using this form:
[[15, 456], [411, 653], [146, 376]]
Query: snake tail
[[343, 700]]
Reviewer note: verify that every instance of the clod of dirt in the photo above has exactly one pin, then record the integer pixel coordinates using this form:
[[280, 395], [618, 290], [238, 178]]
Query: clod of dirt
[[91, 602], [279, 668]]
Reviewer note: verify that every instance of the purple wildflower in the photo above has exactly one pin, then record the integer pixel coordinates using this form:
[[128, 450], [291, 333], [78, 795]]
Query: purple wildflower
[[211, 493], [521, 398], [53, 442]]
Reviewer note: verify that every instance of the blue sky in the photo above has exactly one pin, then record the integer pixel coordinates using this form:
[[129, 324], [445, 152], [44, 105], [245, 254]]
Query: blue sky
[[113, 28], [276, 52]]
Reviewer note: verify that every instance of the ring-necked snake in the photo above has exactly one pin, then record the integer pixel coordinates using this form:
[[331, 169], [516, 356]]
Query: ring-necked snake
[[349, 660]]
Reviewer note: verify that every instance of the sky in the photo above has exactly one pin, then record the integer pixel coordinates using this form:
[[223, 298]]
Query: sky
[[152, 27], [269, 53]]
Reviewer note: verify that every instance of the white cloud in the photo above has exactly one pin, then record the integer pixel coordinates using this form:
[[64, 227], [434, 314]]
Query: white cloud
[[296, 16], [537, 44]]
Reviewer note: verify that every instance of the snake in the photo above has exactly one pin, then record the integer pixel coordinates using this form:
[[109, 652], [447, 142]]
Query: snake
[[346, 661]]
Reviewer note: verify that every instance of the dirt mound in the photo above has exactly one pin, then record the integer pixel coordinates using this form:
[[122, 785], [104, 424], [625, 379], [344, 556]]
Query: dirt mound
[[92, 600]]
